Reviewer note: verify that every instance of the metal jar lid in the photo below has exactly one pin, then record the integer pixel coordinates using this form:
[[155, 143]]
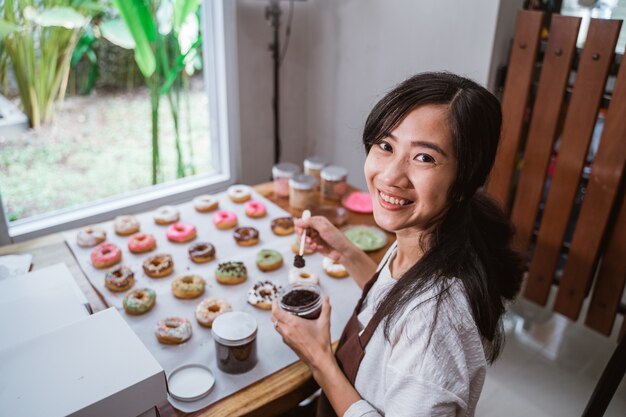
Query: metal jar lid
[[302, 182], [234, 328], [314, 162], [285, 170], [334, 173]]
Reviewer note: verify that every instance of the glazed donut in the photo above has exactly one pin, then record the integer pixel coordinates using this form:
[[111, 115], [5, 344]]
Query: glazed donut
[[246, 236], [173, 330], [188, 286], [158, 266], [224, 219], [205, 203], [91, 236], [295, 247], [239, 193], [255, 209], [119, 278], [334, 269], [303, 276], [141, 242], [201, 252], [126, 225], [105, 255], [166, 215], [139, 301], [282, 226], [209, 309], [269, 260], [262, 294], [181, 232], [231, 273]]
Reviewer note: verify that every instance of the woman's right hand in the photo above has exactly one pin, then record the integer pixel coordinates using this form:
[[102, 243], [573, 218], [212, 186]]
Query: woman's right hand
[[322, 236]]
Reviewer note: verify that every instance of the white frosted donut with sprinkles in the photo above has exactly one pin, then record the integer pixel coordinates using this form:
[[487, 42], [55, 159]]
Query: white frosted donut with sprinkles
[[303, 276], [334, 269], [91, 236], [239, 193], [166, 215], [262, 294], [173, 330], [205, 203]]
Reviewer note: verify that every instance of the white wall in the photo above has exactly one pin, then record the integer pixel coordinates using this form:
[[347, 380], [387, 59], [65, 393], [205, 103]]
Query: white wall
[[343, 56]]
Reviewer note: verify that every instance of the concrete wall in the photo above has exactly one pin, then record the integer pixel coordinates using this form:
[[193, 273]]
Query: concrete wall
[[343, 56]]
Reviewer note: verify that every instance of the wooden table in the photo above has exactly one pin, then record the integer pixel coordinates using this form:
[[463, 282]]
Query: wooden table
[[269, 396]]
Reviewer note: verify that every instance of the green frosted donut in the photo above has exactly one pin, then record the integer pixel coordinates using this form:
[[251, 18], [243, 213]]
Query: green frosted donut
[[367, 238], [269, 260], [139, 301]]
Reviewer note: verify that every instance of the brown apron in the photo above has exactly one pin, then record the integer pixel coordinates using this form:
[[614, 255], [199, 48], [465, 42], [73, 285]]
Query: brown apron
[[350, 350]]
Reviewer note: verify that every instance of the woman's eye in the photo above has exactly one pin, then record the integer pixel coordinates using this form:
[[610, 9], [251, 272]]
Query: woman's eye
[[385, 146], [424, 157]]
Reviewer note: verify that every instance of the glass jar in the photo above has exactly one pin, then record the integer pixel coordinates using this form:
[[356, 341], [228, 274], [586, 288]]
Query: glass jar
[[334, 182], [234, 334], [302, 191], [313, 166], [304, 300], [281, 173]]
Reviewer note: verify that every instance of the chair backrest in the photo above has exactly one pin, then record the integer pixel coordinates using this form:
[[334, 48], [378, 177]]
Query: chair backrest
[[568, 207]]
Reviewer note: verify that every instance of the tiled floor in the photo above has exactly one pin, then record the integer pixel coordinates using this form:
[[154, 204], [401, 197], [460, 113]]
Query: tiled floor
[[548, 367]]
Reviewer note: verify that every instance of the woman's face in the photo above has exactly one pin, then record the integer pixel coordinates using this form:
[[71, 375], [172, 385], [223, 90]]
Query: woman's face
[[410, 172]]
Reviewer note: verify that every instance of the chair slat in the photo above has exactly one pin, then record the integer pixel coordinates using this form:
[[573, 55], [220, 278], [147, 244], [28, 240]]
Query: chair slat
[[611, 279], [514, 102], [555, 71], [581, 117], [600, 198]]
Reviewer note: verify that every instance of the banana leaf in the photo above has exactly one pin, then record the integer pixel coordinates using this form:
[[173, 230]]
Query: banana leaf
[[7, 28], [140, 23], [59, 16], [117, 32], [182, 9]]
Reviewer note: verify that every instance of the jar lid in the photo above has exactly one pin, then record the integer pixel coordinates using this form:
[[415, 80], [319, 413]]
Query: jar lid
[[190, 382], [302, 182], [314, 162], [234, 328], [334, 173], [285, 169]]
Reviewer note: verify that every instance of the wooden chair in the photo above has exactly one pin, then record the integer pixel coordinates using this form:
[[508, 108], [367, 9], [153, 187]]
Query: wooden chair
[[541, 187]]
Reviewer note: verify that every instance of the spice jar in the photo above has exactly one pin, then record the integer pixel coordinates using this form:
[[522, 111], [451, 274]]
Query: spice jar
[[304, 300], [313, 166], [235, 342], [302, 191], [281, 173], [334, 182]]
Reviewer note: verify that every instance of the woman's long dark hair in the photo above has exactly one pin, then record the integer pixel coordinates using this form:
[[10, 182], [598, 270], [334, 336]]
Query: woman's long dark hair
[[471, 241]]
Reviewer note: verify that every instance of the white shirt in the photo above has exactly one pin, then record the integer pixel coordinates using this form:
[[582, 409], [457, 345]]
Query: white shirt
[[406, 376]]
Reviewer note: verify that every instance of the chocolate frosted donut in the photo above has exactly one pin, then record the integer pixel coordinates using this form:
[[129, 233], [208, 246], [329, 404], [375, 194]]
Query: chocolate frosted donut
[[201, 252], [282, 226], [246, 236]]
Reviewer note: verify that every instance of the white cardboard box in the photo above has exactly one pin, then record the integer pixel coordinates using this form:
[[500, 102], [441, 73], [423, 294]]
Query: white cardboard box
[[39, 302], [94, 367]]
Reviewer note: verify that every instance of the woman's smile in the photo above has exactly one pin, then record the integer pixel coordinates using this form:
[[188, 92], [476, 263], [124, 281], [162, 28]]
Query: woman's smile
[[391, 201]]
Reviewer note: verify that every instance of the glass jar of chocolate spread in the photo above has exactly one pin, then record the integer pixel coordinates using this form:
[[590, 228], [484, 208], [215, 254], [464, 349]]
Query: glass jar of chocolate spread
[[304, 300], [235, 342], [281, 173]]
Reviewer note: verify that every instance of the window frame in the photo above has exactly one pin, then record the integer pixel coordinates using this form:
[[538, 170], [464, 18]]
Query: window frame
[[220, 58]]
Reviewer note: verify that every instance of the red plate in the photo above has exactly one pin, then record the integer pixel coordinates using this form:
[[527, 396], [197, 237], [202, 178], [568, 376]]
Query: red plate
[[359, 202]]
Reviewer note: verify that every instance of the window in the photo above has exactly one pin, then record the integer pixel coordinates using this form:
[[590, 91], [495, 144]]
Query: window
[[215, 110]]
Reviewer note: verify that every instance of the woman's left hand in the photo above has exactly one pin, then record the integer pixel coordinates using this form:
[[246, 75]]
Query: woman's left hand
[[310, 339]]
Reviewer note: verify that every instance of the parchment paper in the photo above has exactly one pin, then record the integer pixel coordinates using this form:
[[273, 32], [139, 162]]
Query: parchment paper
[[273, 353]]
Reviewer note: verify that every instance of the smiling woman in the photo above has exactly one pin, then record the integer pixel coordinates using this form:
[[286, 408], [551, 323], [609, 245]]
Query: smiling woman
[[429, 319]]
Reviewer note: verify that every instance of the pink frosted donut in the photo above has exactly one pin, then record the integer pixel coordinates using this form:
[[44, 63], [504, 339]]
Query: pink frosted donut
[[255, 209], [105, 255], [224, 219], [181, 232], [359, 202], [141, 242]]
